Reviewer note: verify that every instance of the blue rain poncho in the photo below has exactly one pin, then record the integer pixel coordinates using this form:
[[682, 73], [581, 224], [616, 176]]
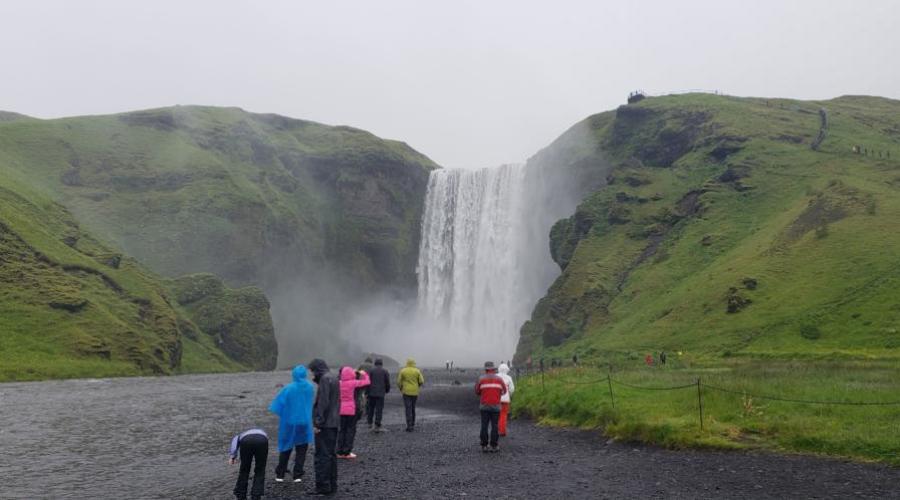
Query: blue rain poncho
[[294, 405]]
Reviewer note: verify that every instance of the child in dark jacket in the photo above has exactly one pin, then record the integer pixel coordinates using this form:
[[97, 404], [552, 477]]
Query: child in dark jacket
[[251, 445]]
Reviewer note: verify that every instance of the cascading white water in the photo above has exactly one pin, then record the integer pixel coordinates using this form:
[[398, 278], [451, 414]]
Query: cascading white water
[[483, 259]]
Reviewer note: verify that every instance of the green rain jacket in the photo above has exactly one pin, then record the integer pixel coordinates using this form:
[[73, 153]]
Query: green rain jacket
[[410, 378]]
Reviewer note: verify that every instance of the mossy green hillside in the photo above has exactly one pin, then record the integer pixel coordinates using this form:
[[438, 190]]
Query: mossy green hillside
[[721, 232], [253, 198], [237, 320], [71, 306]]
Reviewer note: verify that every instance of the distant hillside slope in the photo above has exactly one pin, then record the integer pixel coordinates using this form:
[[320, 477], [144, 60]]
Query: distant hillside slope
[[722, 231], [316, 215], [72, 307]]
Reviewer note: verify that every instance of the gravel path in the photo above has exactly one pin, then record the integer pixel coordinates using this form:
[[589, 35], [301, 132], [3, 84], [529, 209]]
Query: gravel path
[[167, 438]]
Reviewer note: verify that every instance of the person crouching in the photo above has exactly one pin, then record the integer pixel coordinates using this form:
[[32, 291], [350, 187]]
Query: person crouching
[[251, 445], [491, 388]]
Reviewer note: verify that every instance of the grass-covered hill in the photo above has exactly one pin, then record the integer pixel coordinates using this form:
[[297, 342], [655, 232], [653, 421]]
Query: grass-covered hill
[[730, 227], [315, 215], [190, 189], [70, 306]]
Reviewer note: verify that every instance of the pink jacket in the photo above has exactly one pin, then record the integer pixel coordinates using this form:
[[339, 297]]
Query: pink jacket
[[349, 384]]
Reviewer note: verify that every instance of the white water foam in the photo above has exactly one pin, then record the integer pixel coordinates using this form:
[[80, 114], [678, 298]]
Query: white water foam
[[484, 259]]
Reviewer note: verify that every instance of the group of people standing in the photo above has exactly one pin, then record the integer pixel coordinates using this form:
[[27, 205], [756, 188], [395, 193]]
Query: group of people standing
[[327, 417]]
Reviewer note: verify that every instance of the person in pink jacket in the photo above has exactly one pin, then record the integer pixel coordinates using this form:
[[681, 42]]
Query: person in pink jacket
[[350, 381]]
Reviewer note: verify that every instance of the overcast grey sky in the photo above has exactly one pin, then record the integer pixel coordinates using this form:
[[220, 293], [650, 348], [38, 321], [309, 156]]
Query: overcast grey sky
[[469, 83]]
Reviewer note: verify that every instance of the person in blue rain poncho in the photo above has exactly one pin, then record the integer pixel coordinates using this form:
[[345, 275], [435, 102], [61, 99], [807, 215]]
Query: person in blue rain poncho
[[294, 405]]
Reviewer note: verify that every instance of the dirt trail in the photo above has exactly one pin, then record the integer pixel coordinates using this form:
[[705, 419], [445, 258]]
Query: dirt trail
[[167, 438]]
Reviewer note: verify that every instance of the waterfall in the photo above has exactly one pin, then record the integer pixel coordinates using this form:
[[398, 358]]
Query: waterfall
[[483, 257]]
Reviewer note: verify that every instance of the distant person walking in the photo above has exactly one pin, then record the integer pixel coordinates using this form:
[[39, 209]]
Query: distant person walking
[[380, 385], [409, 380], [294, 405], [326, 419], [351, 381], [251, 445], [491, 388], [506, 399]]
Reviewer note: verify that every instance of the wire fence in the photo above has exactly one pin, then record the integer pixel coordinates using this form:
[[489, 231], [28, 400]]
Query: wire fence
[[699, 385]]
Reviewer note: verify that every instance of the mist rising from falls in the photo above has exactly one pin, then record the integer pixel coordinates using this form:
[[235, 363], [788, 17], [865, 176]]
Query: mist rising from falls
[[484, 259]]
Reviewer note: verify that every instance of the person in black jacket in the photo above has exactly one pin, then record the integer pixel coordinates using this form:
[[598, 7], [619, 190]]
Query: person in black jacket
[[380, 385], [326, 419]]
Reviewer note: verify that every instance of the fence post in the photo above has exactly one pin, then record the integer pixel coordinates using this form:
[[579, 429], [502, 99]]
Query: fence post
[[611, 398], [700, 402], [542, 374]]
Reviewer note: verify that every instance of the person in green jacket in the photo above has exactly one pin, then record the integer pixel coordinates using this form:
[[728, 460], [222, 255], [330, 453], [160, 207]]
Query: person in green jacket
[[409, 380]]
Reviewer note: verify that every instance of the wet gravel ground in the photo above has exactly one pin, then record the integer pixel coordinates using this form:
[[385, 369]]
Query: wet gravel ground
[[168, 438]]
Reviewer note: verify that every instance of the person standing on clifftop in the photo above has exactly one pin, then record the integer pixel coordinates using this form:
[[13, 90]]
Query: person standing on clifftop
[[326, 419], [381, 385], [506, 398], [294, 405], [409, 380], [491, 388]]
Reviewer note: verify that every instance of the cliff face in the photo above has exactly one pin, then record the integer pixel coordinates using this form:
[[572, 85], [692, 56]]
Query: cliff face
[[237, 321], [74, 307], [198, 189], [287, 205], [722, 230]]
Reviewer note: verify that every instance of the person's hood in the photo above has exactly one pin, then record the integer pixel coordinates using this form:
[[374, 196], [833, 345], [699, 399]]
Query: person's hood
[[319, 367], [348, 373], [410, 362], [503, 368], [299, 373]]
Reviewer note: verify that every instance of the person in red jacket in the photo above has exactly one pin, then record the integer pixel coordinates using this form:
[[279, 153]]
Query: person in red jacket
[[491, 388]]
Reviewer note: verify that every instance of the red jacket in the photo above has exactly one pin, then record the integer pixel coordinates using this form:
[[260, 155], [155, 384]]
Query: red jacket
[[490, 387]]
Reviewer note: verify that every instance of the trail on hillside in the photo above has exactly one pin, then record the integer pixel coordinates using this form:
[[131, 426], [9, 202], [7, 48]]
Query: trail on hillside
[[167, 438]]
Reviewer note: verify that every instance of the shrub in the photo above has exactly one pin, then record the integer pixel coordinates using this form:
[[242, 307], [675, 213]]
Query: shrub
[[810, 332]]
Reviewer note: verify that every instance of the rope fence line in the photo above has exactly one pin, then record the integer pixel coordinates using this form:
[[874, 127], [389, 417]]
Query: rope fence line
[[730, 391], [672, 388], [804, 401], [699, 385]]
